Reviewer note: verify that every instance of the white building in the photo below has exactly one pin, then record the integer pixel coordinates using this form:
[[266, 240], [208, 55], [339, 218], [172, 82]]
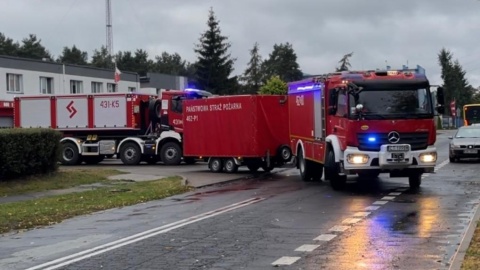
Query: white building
[[20, 76]]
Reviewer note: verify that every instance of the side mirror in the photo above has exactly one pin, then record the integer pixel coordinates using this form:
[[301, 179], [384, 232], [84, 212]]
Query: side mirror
[[440, 96]]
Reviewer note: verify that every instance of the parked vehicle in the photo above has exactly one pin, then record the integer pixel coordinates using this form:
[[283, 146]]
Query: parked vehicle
[[364, 123], [471, 114], [134, 127], [234, 131], [465, 143]]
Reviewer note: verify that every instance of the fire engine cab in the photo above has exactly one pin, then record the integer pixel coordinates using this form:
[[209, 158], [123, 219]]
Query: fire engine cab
[[364, 123]]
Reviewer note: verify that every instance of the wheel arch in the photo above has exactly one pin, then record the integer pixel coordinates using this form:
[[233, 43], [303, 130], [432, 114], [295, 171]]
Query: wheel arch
[[138, 141], [75, 141], [334, 143]]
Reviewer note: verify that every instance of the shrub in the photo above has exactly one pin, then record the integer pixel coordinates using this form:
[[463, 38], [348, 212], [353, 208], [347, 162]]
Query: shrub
[[28, 151]]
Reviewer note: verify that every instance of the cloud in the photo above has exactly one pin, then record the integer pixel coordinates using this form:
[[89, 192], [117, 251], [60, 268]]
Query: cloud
[[377, 31]]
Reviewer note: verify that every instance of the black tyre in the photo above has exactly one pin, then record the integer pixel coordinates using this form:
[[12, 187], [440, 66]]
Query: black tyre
[[215, 165], [415, 180], [285, 153], [305, 168], [337, 181], [171, 153], [130, 154], [230, 166], [70, 154]]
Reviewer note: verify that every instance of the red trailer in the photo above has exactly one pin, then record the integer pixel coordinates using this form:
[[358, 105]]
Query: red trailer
[[231, 131]]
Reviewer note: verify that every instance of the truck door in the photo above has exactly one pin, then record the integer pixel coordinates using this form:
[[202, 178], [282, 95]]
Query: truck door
[[340, 118], [176, 105]]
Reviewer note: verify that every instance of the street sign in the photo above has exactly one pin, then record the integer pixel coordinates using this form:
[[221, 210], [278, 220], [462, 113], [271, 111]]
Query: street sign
[[452, 108]]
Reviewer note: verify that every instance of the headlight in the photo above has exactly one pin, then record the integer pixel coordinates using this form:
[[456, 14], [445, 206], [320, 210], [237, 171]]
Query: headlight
[[428, 157], [357, 158]]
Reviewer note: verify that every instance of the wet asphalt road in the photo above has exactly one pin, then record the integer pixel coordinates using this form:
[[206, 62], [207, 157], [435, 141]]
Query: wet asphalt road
[[294, 225]]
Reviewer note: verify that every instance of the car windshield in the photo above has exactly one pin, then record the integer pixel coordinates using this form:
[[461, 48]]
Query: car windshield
[[392, 103], [468, 133]]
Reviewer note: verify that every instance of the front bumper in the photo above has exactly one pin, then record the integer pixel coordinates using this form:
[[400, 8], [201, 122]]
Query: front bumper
[[355, 160]]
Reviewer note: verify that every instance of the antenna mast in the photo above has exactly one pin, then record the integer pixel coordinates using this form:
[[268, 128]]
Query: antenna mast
[[109, 28]]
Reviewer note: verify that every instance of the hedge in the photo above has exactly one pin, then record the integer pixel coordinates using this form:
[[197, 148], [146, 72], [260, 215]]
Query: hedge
[[28, 151]]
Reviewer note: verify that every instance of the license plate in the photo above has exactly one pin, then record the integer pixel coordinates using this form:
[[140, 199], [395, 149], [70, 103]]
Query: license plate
[[470, 151], [398, 156], [398, 148]]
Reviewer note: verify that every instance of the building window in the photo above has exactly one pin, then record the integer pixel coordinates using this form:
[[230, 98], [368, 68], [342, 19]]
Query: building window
[[97, 87], [131, 89], [76, 87], [14, 83], [46, 85], [111, 87]]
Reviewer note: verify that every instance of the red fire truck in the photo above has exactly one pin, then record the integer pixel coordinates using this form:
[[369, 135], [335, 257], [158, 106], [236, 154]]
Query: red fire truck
[[365, 123], [233, 131], [135, 127]]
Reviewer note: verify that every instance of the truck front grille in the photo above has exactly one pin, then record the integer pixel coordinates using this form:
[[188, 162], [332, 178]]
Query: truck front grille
[[418, 141]]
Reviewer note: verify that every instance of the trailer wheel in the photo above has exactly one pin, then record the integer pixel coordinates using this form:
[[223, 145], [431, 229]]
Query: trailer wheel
[[337, 181], [171, 153], [70, 155], [285, 153], [415, 180], [230, 166], [130, 154], [215, 165]]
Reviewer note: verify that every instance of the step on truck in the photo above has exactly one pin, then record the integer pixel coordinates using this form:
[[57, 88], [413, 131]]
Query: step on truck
[[133, 127], [364, 123], [233, 131]]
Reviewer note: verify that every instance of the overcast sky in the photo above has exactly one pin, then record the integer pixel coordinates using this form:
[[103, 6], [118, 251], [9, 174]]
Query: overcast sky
[[321, 31]]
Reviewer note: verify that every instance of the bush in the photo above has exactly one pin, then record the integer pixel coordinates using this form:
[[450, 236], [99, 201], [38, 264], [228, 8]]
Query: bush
[[28, 151]]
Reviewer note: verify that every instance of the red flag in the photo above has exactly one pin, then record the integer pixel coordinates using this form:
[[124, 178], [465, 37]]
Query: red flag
[[117, 74]]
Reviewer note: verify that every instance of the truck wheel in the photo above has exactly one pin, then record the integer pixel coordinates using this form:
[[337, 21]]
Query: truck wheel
[[316, 169], [337, 182], [415, 180], [171, 153], [70, 155], [253, 167], [305, 170], [230, 166], [215, 165], [130, 154]]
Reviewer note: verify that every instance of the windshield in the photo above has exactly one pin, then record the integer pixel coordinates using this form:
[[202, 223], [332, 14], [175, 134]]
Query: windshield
[[468, 133], [391, 104], [472, 114]]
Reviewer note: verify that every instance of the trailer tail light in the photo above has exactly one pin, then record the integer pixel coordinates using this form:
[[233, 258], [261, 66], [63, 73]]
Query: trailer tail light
[[357, 158]]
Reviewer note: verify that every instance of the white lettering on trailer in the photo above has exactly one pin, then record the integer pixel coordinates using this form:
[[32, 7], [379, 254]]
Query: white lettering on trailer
[[214, 107], [192, 118], [300, 100]]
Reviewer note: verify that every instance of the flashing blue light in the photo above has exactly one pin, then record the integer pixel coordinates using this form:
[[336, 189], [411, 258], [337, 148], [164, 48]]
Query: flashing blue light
[[372, 139], [310, 87], [191, 90]]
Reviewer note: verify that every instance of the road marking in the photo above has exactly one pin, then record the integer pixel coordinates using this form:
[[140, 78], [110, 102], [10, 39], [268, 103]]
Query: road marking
[[285, 260], [351, 220], [394, 193], [371, 208], [361, 214], [307, 248], [380, 202], [141, 236], [388, 198], [325, 237], [339, 228]]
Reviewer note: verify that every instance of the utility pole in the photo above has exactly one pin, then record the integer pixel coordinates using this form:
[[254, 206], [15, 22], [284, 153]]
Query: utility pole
[[109, 28]]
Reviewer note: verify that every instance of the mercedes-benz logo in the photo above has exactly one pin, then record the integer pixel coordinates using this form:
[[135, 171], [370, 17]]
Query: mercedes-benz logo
[[393, 137]]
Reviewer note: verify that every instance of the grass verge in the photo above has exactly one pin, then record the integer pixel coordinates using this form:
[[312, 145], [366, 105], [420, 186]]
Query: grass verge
[[472, 257], [50, 210], [57, 180]]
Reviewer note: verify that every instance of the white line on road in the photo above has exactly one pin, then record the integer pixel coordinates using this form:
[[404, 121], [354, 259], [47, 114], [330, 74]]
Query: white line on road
[[325, 237], [141, 236], [394, 193], [351, 220], [307, 248], [380, 202], [389, 198], [339, 228], [371, 208], [361, 214], [285, 260]]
